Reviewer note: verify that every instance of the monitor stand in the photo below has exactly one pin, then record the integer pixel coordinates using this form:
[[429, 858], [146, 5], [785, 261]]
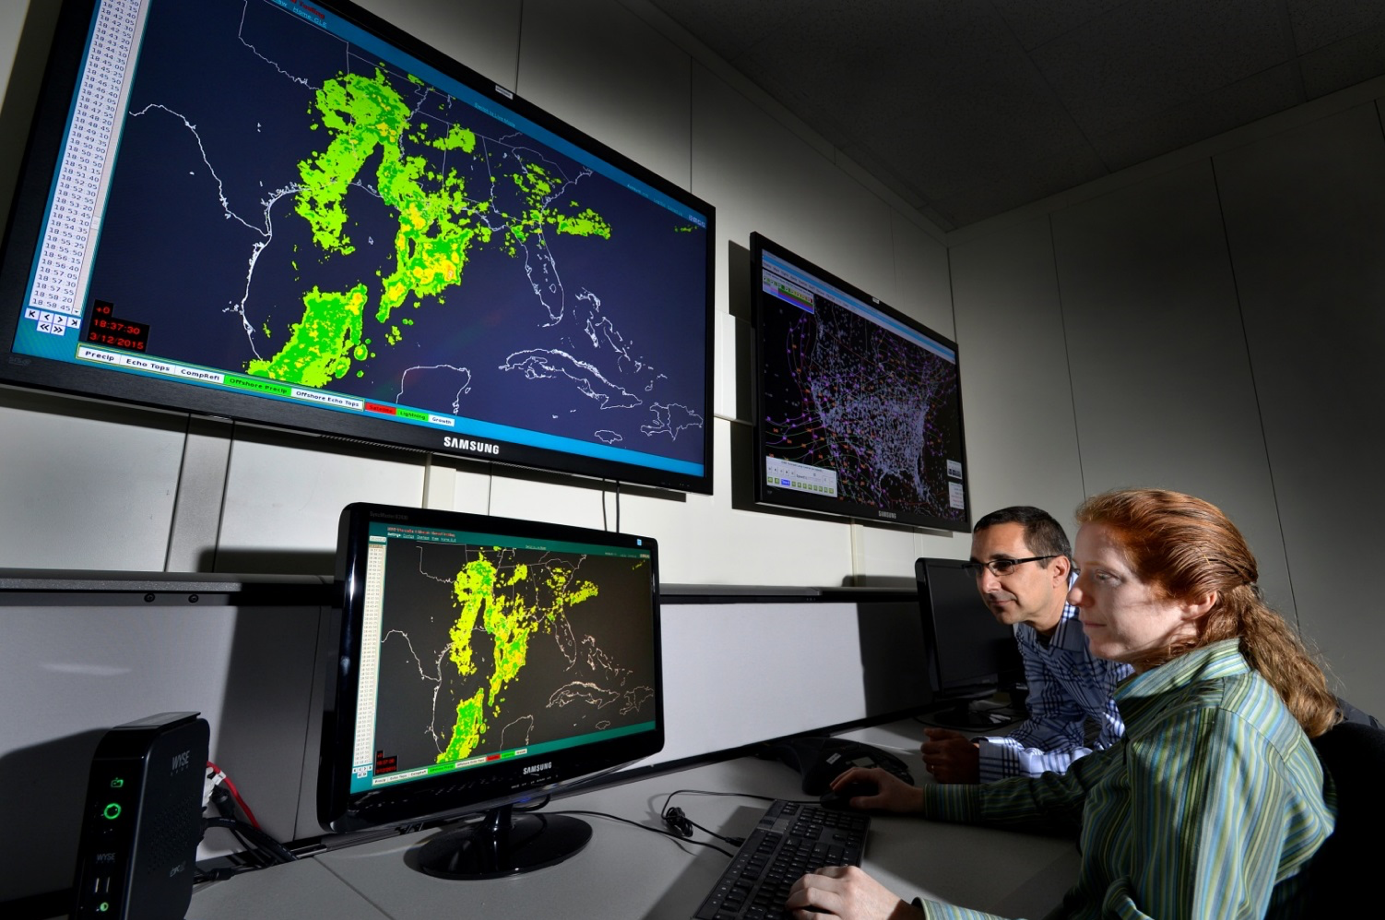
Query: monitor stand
[[978, 711], [502, 844], [964, 716]]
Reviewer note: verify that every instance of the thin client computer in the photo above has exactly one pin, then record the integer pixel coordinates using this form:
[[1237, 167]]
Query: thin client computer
[[483, 663], [970, 654]]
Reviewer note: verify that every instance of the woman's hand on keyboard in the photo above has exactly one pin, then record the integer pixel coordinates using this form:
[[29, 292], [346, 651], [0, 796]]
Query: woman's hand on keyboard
[[848, 893], [891, 792]]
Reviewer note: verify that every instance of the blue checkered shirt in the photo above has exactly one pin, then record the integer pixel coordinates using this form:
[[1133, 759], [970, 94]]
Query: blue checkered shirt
[[1067, 686]]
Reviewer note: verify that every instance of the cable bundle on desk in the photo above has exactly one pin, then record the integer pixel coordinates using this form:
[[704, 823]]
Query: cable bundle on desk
[[680, 826], [260, 849]]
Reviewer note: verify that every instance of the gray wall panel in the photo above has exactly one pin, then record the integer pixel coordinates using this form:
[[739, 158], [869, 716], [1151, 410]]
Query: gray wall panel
[[1305, 216], [484, 36], [1161, 376], [599, 67], [85, 485], [285, 493], [1021, 432]]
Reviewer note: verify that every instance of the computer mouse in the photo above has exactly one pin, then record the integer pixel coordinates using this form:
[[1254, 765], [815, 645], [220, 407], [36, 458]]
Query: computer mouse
[[840, 799]]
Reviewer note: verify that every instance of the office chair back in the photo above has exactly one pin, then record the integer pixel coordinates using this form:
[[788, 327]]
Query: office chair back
[[1354, 753]]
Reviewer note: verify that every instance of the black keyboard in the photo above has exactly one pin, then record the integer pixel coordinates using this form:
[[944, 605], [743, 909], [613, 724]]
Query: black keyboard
[[791, 839]]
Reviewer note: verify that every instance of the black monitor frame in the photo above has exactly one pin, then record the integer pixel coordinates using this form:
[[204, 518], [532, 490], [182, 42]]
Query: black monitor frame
[[488, 776], [657, 417], [970, 654], [920, 473]]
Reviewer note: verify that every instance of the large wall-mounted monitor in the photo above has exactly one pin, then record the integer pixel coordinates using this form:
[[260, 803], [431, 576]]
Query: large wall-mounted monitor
[[482, 662], [293, 213], [858, 407], [970, 654]]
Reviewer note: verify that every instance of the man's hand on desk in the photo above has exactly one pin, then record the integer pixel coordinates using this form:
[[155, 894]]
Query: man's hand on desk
[[848, 893], [951, 756]]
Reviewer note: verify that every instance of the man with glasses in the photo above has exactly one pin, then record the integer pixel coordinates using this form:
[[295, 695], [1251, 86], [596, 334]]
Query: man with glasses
[[1023, 566]]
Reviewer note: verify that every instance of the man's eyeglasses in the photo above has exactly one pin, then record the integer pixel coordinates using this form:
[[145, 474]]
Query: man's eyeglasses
[[1002, 566]]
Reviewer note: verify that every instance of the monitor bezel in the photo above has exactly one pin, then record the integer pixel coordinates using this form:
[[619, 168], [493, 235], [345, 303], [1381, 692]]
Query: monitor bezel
[[26, 219], [793, 500], [508, 781]]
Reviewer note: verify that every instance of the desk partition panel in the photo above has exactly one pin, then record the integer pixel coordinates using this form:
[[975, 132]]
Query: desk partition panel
[[81, 652]]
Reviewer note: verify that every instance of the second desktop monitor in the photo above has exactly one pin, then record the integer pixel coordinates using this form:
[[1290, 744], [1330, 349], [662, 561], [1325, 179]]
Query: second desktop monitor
[[970, 654]]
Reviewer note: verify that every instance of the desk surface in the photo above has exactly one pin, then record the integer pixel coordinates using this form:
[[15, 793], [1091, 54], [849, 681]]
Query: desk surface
[[626, 872]]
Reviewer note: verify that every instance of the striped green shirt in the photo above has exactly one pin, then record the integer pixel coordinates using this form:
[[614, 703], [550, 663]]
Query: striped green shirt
[[1210, 806]]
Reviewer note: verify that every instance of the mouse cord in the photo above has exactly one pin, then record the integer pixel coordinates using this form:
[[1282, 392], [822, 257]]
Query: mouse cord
[[679, 838]]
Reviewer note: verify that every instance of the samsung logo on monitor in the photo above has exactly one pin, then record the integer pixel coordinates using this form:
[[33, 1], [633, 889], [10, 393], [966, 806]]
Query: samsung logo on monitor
[[887, 514], [538, 768], [480, 447]]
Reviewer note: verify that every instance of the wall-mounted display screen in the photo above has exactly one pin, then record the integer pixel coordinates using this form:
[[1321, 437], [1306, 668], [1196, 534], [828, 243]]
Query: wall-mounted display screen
[[858, 407], [294, 213]]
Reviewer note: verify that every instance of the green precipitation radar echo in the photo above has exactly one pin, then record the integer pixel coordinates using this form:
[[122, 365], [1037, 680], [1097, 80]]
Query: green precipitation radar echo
[[489, 649], [304, 214]]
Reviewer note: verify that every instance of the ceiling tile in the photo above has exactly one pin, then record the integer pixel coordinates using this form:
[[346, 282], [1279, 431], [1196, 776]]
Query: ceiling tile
[[933, 96], [1345, 63], [1151, 55], [1318, 23], [1198, 119], [968, 108], [728, 27], [1038, 21]]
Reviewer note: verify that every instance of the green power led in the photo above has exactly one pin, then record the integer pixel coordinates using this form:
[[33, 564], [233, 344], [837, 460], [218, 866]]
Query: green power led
[[111, 811]]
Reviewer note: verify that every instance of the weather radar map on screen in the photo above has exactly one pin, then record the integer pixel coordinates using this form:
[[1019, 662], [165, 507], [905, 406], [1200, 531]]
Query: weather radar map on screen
[[265, 198], [859, 406], [490, 651], [483, 663]]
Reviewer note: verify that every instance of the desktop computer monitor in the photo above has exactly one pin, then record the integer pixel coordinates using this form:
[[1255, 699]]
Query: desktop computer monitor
[[970, 654], [483, 662]]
